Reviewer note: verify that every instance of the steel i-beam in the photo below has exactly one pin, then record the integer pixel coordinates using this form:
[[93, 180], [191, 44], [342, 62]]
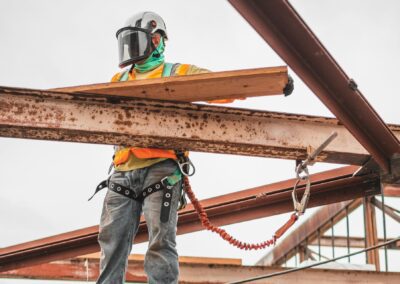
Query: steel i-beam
[[284, 30], [114, 120]]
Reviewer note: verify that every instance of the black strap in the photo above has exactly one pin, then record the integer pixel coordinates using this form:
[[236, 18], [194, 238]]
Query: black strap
[[166, 203], [127, 192], [102, 185]]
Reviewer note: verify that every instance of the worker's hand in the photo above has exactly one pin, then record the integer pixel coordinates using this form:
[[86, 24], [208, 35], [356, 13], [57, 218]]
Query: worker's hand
[[289, 86]]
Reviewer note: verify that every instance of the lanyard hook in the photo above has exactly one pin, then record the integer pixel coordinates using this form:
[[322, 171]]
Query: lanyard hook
[[300, 206]]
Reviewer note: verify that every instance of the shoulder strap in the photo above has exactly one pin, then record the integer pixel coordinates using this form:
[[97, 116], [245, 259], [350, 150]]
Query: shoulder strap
[[183, 69], [125, 76], [167, 69]]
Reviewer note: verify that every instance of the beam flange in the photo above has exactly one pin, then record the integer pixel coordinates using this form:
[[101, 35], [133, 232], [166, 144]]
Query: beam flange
[[106, 119]]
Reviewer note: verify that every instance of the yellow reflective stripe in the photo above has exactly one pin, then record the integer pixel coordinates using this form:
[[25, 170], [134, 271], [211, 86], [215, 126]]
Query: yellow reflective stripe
[[116, 77], [182, 69]]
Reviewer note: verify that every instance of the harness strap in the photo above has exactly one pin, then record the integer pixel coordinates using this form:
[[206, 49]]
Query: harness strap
[[124, 76], [165, 184], [167, 69]]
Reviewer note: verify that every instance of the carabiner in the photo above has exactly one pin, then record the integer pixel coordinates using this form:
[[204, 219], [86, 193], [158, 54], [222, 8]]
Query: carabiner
[[300, 207], [186, 166]]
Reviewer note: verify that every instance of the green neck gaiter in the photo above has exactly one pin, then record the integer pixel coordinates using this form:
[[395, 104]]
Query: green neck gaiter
[[152, 61]]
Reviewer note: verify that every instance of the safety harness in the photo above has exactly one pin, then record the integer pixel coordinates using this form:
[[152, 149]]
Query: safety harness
[[167, 183]]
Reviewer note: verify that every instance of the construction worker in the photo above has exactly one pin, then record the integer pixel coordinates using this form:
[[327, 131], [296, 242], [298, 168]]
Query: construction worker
[[138, 171]]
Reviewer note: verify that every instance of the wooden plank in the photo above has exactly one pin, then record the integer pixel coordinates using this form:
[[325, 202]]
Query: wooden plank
[[201, 87]]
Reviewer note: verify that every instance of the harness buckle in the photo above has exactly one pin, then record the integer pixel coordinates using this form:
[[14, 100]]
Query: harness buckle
[[164, 179]]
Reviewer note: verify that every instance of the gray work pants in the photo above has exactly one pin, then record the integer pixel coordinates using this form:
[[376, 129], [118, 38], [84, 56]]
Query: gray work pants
[[119, 224]]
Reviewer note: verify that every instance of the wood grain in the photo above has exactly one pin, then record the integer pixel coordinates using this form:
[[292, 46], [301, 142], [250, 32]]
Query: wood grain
[[201, 87]]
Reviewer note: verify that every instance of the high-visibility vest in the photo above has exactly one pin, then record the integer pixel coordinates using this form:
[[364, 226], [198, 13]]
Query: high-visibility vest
[[122, 155]]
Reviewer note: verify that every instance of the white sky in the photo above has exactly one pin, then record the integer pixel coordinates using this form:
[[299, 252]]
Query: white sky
[[44, 44]]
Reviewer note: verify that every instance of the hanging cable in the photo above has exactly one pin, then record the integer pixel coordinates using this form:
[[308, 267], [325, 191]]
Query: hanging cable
[[299, 206], [315, 264], [224, 235]]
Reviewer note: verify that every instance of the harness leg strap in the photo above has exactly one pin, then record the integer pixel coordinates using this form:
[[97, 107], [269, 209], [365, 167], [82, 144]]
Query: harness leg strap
[[166, 203], [127, 192]]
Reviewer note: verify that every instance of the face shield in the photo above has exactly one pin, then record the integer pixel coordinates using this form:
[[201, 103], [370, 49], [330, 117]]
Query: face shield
[[134, 44]]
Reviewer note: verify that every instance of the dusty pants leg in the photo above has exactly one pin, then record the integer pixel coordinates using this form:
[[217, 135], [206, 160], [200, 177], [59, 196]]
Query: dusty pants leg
[[161, 261], [118, 225]]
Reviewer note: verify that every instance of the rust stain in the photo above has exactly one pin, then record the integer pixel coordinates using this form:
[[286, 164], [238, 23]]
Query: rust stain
[[127, 113]]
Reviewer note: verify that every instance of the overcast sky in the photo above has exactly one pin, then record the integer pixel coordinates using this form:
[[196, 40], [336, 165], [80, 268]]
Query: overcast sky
[[46, 44]]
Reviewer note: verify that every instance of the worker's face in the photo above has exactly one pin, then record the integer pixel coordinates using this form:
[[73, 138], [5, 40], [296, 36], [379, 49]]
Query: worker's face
[[156, 38]]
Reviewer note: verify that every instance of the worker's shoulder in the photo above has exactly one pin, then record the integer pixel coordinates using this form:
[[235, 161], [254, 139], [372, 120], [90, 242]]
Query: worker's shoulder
[[189, 69], [116, 77], [177, 69]]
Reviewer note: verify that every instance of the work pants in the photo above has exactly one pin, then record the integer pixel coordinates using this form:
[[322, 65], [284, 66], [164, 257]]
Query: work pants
[[120, 220]]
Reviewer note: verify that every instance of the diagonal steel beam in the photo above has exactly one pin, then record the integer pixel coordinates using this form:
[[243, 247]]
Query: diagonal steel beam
[[109, 119], [327, 187], [308, 231], [285, 31], [386, 209], [319, 221]]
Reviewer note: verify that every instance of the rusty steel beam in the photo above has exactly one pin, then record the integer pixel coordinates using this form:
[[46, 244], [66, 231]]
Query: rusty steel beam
[[308, 231], [284, 30], [391, 190], [82, 270], [182, 259], [355, 242], [327, 187], [371, 232], [115, 120], [120, 121], [387, 209]]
